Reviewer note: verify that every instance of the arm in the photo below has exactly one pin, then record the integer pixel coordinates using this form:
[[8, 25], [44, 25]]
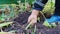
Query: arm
[[38, 6]]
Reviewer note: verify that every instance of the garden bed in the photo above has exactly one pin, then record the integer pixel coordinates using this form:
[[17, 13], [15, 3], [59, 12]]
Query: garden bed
[[20, 24]]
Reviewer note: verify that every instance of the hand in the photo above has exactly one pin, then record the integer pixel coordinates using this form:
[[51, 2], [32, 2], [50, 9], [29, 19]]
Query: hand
[[33, 17]]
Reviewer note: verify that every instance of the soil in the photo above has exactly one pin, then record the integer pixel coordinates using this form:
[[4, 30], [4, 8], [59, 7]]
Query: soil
[[21, 21]]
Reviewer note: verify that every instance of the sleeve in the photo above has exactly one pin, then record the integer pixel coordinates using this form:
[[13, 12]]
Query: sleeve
[[39, 4]]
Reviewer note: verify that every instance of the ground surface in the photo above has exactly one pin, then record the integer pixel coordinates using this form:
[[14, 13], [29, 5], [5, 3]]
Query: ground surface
[[21, 21]]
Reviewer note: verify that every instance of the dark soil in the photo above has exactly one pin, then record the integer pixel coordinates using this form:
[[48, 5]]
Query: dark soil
[[21, 21]]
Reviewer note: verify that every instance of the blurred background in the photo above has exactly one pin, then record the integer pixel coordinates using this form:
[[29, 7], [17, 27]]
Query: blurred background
[[11, 8]]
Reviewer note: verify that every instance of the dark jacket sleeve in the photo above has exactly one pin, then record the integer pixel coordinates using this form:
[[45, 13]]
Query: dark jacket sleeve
[[39, 4]]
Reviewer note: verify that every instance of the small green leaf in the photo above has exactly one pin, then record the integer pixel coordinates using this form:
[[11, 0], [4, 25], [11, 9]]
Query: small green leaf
[[46, 23]]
